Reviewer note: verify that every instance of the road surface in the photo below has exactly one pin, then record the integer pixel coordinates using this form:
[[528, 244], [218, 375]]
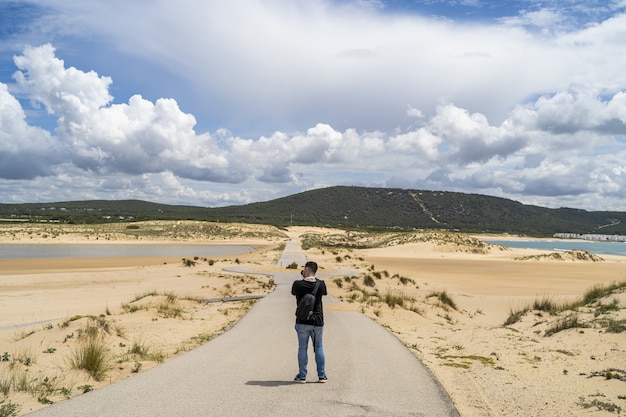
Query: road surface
[[249, 371]]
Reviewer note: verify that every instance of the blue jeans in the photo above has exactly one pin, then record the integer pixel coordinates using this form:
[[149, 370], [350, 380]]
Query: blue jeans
[[316, 333]]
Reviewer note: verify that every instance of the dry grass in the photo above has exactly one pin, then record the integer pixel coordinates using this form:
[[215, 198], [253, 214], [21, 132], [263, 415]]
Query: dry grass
[[569, 314], [92, 353], [444, 299]]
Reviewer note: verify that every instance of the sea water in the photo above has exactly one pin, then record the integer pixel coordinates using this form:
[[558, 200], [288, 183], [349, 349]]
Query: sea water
[[559, 245], [22, 251]]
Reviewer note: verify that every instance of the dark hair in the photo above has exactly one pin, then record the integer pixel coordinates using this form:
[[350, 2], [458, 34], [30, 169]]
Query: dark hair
[[312, 266]]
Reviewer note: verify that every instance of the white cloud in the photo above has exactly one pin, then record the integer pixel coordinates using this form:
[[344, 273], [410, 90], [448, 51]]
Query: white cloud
[[25, 151], [563, 144], [293, 65], [68, 92], [134, 138], [359, 97], [416, 142]]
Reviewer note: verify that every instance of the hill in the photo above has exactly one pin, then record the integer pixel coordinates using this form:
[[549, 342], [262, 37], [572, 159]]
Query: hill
[[418, 209], [347, 207]]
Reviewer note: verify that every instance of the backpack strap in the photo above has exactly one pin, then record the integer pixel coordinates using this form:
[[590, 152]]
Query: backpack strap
[[317, 284]]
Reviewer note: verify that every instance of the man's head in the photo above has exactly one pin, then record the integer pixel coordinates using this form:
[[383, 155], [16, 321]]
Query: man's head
[[310, 268]]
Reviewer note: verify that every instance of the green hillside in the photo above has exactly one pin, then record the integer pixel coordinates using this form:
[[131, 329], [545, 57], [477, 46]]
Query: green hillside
[[346, 207], [418, 209]]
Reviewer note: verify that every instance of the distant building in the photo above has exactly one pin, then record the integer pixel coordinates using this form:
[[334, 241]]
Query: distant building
[[593, 237]]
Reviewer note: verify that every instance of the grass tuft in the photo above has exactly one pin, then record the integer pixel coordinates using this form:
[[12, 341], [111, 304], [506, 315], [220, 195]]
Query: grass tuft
[[443, 298], [8, 409], [393, 299], [591, 298], [5, 384], [369, 281], [546, 304], [515, 316], [599, 291], [92, 355], [570, 321]]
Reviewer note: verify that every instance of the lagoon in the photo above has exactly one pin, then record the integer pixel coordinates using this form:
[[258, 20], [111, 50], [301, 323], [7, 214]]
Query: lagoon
[[559, 245], [28, 251]]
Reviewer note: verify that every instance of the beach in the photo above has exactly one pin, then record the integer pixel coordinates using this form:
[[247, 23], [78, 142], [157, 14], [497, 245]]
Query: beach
[[152, 310]]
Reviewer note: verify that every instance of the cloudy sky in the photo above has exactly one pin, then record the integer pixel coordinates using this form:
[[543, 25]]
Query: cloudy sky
[[213, 103]]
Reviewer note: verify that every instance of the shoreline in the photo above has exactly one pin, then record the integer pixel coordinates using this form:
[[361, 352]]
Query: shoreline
[[122, 242]]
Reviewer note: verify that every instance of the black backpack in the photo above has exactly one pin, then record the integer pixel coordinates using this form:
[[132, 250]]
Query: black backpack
[[304, 311]]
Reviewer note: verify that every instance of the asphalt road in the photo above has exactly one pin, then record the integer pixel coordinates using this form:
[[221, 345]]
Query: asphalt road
[[249, 371]]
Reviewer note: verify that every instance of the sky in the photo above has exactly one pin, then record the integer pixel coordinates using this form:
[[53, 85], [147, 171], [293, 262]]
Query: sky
[[214, 103]]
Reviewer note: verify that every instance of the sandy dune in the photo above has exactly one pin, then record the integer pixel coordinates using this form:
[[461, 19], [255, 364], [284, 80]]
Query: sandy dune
[[488, 368]]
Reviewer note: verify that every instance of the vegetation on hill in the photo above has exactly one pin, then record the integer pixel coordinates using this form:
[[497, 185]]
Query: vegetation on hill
[[347, 207], [99, 211], [157, 230], [572, 255], [365, 240]]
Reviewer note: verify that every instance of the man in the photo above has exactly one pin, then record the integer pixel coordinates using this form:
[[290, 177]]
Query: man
[[312, 328]]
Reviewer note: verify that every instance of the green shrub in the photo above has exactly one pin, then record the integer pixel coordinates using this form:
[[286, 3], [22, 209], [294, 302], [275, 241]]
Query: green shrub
[[189, 262], [5, 384], [92, 355], [85, 388], [369, 281], [616, 326], [515, 316], [139, 348], [444, 298], [568, 322], [21, 382], [8, 409], [605, 308], [405, 280], [170, 310], [546, 304], [600, 290], [393, 299]]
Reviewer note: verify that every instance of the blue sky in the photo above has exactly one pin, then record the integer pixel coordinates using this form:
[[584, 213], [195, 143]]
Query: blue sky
[[214, 103]]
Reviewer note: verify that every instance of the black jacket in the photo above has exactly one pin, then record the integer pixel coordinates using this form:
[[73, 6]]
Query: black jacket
[[301, 287]]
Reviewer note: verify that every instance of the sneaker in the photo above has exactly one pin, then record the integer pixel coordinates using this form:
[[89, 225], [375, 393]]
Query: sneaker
[[323, 380], [299, 379]]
